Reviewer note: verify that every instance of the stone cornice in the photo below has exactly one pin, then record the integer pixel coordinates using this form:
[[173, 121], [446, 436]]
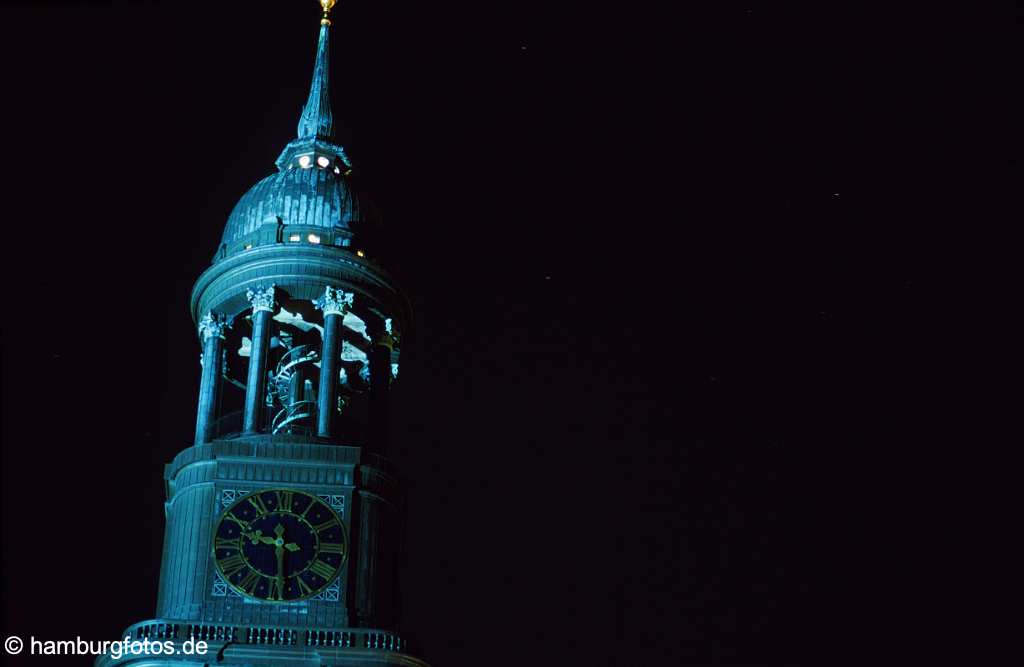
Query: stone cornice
[[302, 271], [278, 449]]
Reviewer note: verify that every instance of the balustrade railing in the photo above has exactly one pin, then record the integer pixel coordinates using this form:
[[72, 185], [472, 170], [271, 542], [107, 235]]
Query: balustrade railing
[[266, 635]]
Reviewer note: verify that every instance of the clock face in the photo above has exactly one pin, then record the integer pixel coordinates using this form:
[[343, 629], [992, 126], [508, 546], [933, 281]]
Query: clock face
[[279, 545]]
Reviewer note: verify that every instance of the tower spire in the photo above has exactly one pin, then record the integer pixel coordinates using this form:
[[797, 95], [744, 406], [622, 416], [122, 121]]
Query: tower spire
[[317, 121]]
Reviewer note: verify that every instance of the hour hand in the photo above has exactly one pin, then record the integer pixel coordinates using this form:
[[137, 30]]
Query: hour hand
[[291, 546], [254, 536], [279, 531]]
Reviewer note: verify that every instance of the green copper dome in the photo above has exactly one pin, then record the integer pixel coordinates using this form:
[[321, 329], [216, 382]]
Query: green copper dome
[[309, 199], [306, 197]]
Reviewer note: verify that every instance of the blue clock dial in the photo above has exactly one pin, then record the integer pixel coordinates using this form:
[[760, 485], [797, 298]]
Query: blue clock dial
[[279, 545]]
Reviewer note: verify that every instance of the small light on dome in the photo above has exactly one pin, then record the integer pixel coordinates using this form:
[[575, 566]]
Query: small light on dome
[[322, 161], [294, 238], [248, 246], [360, 253], [304, 162], [314, 238]]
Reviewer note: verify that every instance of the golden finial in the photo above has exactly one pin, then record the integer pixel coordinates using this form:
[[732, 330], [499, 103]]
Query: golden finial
[[327, 5]]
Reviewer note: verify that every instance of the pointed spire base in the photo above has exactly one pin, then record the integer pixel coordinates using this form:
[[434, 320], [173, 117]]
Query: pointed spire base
[[316, 125], [317, 120], [289, 156]]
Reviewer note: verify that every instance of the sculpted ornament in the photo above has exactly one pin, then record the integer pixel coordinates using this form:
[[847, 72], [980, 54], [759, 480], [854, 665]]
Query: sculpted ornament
[[212, 324], [335, 301], [261, 299]]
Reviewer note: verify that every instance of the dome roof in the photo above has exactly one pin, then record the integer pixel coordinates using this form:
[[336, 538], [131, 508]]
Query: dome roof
[[314, 196], [310, 191]]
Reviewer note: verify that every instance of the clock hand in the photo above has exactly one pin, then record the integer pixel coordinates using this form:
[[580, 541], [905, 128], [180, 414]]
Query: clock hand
[[245, 528], [279, 531], [254, 536], [279, 552], [291, 546]]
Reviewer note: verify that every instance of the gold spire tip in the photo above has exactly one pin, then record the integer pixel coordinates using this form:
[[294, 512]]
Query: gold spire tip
[[327, 5]]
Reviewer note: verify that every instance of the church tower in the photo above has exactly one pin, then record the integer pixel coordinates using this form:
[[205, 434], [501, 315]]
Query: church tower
[[282, 518]]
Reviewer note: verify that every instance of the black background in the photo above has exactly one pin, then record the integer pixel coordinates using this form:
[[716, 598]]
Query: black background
[[717, 344]]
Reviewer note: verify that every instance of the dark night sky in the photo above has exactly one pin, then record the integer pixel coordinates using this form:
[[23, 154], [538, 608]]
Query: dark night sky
[[717, 353]]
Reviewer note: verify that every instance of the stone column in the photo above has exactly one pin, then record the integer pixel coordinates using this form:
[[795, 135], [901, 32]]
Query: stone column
[[335, 303], [383, 341], [211, 329], [262, 310]]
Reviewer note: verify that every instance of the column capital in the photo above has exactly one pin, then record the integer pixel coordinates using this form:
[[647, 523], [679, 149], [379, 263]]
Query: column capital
[[388, 337], [261, 298], [335, 301], [212, 324]]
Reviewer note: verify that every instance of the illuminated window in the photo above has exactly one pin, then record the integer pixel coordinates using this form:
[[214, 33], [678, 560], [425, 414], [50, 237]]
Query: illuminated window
[[337, 171], [360, 253], [322, 161], [248, 246], [305, 161], [314, 238], [295, 238]]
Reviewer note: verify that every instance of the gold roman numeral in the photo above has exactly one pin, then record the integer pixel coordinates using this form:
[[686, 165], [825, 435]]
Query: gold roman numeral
[[284, 500], [231, 517], [322, 569], [232, 564], [303, 586], [221, 543], [249, 583], [325, 525], [332, 548], [257, 502], [277, 589]]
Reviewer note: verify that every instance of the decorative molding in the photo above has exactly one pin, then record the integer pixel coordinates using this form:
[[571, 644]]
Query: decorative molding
[[337, 502], [212, 324], [330, 594], [261, 298], [221, 589], [228, 497], [335, 301]]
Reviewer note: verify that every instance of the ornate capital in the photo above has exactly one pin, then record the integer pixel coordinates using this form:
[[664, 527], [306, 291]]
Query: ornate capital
[[389, 337], [212, 324], [335, 302], [261, 299]]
